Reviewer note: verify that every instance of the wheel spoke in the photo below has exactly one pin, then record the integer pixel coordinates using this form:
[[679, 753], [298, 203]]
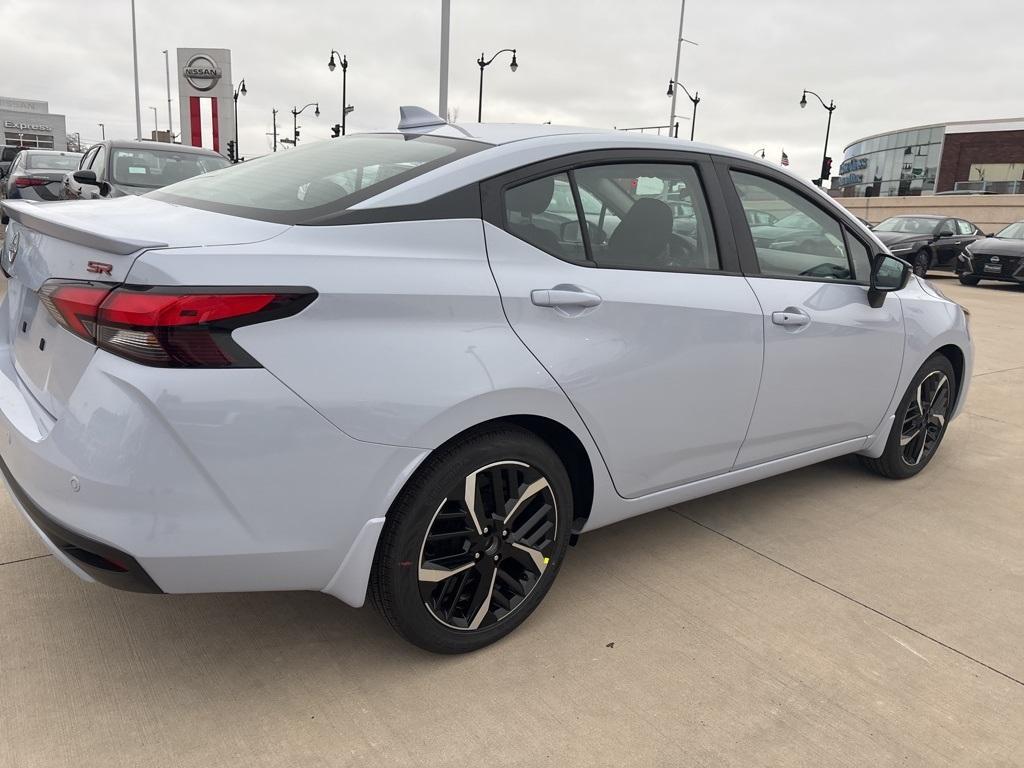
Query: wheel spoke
[[938, 418], [480, 603], [473, 501], [531, 490], [535, 555], [433, 574], [905, 439]]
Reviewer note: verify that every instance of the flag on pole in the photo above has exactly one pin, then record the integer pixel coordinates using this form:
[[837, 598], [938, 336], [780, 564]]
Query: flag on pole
[[785, 158]]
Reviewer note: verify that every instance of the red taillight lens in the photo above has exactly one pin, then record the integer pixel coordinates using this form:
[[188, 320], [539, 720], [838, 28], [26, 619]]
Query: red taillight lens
[[29, 181], [171, 327], [74, 305]]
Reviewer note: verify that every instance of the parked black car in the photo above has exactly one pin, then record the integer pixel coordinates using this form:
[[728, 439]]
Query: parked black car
[[7, 154], [927, 241], [118, 168], [37, 174], [1000, 257]]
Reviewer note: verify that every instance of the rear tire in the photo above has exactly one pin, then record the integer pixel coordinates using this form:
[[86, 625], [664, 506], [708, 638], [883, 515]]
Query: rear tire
[[452, 577], [921, 421], [922, 263], [969, 280]]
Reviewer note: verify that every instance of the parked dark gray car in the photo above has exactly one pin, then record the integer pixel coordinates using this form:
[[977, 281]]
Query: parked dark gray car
[[7, 155], [928, 241], [118, 168], [37, 174]]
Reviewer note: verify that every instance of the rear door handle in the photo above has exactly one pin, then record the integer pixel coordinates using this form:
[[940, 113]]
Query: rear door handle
[[564, 296], [791, 317]]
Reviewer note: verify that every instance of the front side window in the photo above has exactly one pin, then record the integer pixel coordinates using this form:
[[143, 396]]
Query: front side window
[[803, 242], [99, 163], [965, 227], [322, 178]]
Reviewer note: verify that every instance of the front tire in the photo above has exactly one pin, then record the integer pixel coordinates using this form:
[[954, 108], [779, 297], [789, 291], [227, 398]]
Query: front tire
[[969, 280], [921, 421], [474, 541], [922, 263]]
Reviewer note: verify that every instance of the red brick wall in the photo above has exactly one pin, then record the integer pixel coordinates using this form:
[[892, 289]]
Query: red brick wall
[[963, 149]]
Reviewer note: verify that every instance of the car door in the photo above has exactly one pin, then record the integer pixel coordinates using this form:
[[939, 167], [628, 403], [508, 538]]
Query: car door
[[947, 245], [654, 336], [831, 361]]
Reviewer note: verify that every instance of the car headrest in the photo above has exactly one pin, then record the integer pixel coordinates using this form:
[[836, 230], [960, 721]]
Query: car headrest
[[531, 198]]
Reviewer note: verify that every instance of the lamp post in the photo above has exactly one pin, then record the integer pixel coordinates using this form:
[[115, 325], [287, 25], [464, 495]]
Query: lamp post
[[156, 126], [239, 91], [344, 84], [170, 120], [695, 98], [103, 131], [482, 63], [275, 128], [830, 108], [295, 119], [760, 152]]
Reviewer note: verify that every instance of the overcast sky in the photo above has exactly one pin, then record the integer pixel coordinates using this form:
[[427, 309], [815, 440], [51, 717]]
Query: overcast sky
[[887, 63]]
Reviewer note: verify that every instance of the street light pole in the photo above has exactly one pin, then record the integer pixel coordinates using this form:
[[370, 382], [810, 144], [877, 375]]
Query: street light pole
[[295, 119], [275, 129], [135, 60], [513, 66], [679, 47], [760, 152], [344, 85], [103, 131], [156, 126], [830, 108], [240, 90], [695, 99], [170, 119], [442, 88]]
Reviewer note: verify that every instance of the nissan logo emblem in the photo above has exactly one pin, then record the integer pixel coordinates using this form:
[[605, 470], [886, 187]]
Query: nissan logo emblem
[[994, 259], [202, 72]]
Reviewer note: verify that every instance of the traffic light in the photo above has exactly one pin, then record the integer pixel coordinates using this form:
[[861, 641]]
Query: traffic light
[[231, 151], [826, 168], [336, 130]]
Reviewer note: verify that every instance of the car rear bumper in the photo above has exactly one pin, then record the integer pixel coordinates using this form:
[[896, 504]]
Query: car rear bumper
[[196, 480]]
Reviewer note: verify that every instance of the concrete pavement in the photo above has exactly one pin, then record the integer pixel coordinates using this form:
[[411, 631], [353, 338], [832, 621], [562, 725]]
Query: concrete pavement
[[822, 618]]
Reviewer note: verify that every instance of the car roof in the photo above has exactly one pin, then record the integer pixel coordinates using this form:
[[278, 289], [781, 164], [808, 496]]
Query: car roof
[[50, 152], [157, 146], [922, 216]]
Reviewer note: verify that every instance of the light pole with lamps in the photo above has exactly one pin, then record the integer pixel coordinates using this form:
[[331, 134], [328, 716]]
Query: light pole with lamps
[[695, 98], [295, 119], [830, 108], [343, 60], [513, 66], [239, 91], [170, 120], [760, 152]]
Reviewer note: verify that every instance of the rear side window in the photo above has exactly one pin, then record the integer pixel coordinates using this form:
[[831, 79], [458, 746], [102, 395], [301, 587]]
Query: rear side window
[[298, 186]]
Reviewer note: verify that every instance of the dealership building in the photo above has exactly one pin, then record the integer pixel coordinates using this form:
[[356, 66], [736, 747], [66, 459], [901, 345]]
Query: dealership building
[[29, 123], [981, 155]]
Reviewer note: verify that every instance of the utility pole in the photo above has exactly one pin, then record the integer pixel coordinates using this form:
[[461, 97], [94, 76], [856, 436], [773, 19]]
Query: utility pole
[[135, 59], [442, 90], [679, 47], [275, 130], [170, 119]]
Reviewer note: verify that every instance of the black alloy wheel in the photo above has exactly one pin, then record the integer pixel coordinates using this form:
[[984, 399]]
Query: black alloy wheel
[[969, 280], [922, 261], [474, 541], [920, 423]]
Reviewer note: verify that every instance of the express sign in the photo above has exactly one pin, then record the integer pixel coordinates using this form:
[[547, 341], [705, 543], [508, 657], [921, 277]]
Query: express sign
[[26, 126], [202, 72]]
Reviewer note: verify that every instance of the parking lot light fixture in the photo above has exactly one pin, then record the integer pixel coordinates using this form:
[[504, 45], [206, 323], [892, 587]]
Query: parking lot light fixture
[[239, 91], [482, 62], [830, 108], [295, 119], [344, 85], [694, 99]]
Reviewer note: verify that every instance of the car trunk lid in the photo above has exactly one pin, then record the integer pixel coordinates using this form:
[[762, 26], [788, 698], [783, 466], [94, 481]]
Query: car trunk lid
[[87, 241]]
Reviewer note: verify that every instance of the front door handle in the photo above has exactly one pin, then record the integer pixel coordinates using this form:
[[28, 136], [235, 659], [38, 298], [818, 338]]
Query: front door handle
[[564, 296], [791, 317]]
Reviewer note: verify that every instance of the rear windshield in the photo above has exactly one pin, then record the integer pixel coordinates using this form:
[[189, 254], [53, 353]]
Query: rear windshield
[[300, 186], [159, 167], [63, 162]]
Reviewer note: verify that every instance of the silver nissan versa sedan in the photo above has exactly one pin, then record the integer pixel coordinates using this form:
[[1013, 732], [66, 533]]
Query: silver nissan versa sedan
[[417, 364]]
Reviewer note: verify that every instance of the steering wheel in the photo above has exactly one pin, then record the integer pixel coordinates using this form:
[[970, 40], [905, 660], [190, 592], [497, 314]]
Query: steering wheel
[[833, 271], [682, 252]]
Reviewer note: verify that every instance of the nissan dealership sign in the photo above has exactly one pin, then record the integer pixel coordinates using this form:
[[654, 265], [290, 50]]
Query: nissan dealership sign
[[202, 73]]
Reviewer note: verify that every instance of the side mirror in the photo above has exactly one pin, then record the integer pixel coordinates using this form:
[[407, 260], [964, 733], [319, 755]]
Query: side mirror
[[888, 274], [85, 177], [946, 233], [104, 188]]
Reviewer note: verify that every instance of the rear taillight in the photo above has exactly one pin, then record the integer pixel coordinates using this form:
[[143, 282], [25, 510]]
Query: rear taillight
[[30, 181], [170, 327]]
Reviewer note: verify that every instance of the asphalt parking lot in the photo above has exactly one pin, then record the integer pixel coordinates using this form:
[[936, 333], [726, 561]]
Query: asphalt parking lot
[[823, 618]]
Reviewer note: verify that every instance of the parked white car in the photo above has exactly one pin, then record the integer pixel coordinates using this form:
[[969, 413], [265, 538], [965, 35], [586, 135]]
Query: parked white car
[[400, 364]]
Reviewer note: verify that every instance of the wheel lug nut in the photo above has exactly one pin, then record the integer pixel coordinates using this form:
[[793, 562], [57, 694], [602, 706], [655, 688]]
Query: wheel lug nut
[[497, 558], [476, 556], [504, 533], [487, 530]]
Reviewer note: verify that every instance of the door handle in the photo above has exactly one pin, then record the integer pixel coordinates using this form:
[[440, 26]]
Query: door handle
[[791, 317], [564, 296]]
